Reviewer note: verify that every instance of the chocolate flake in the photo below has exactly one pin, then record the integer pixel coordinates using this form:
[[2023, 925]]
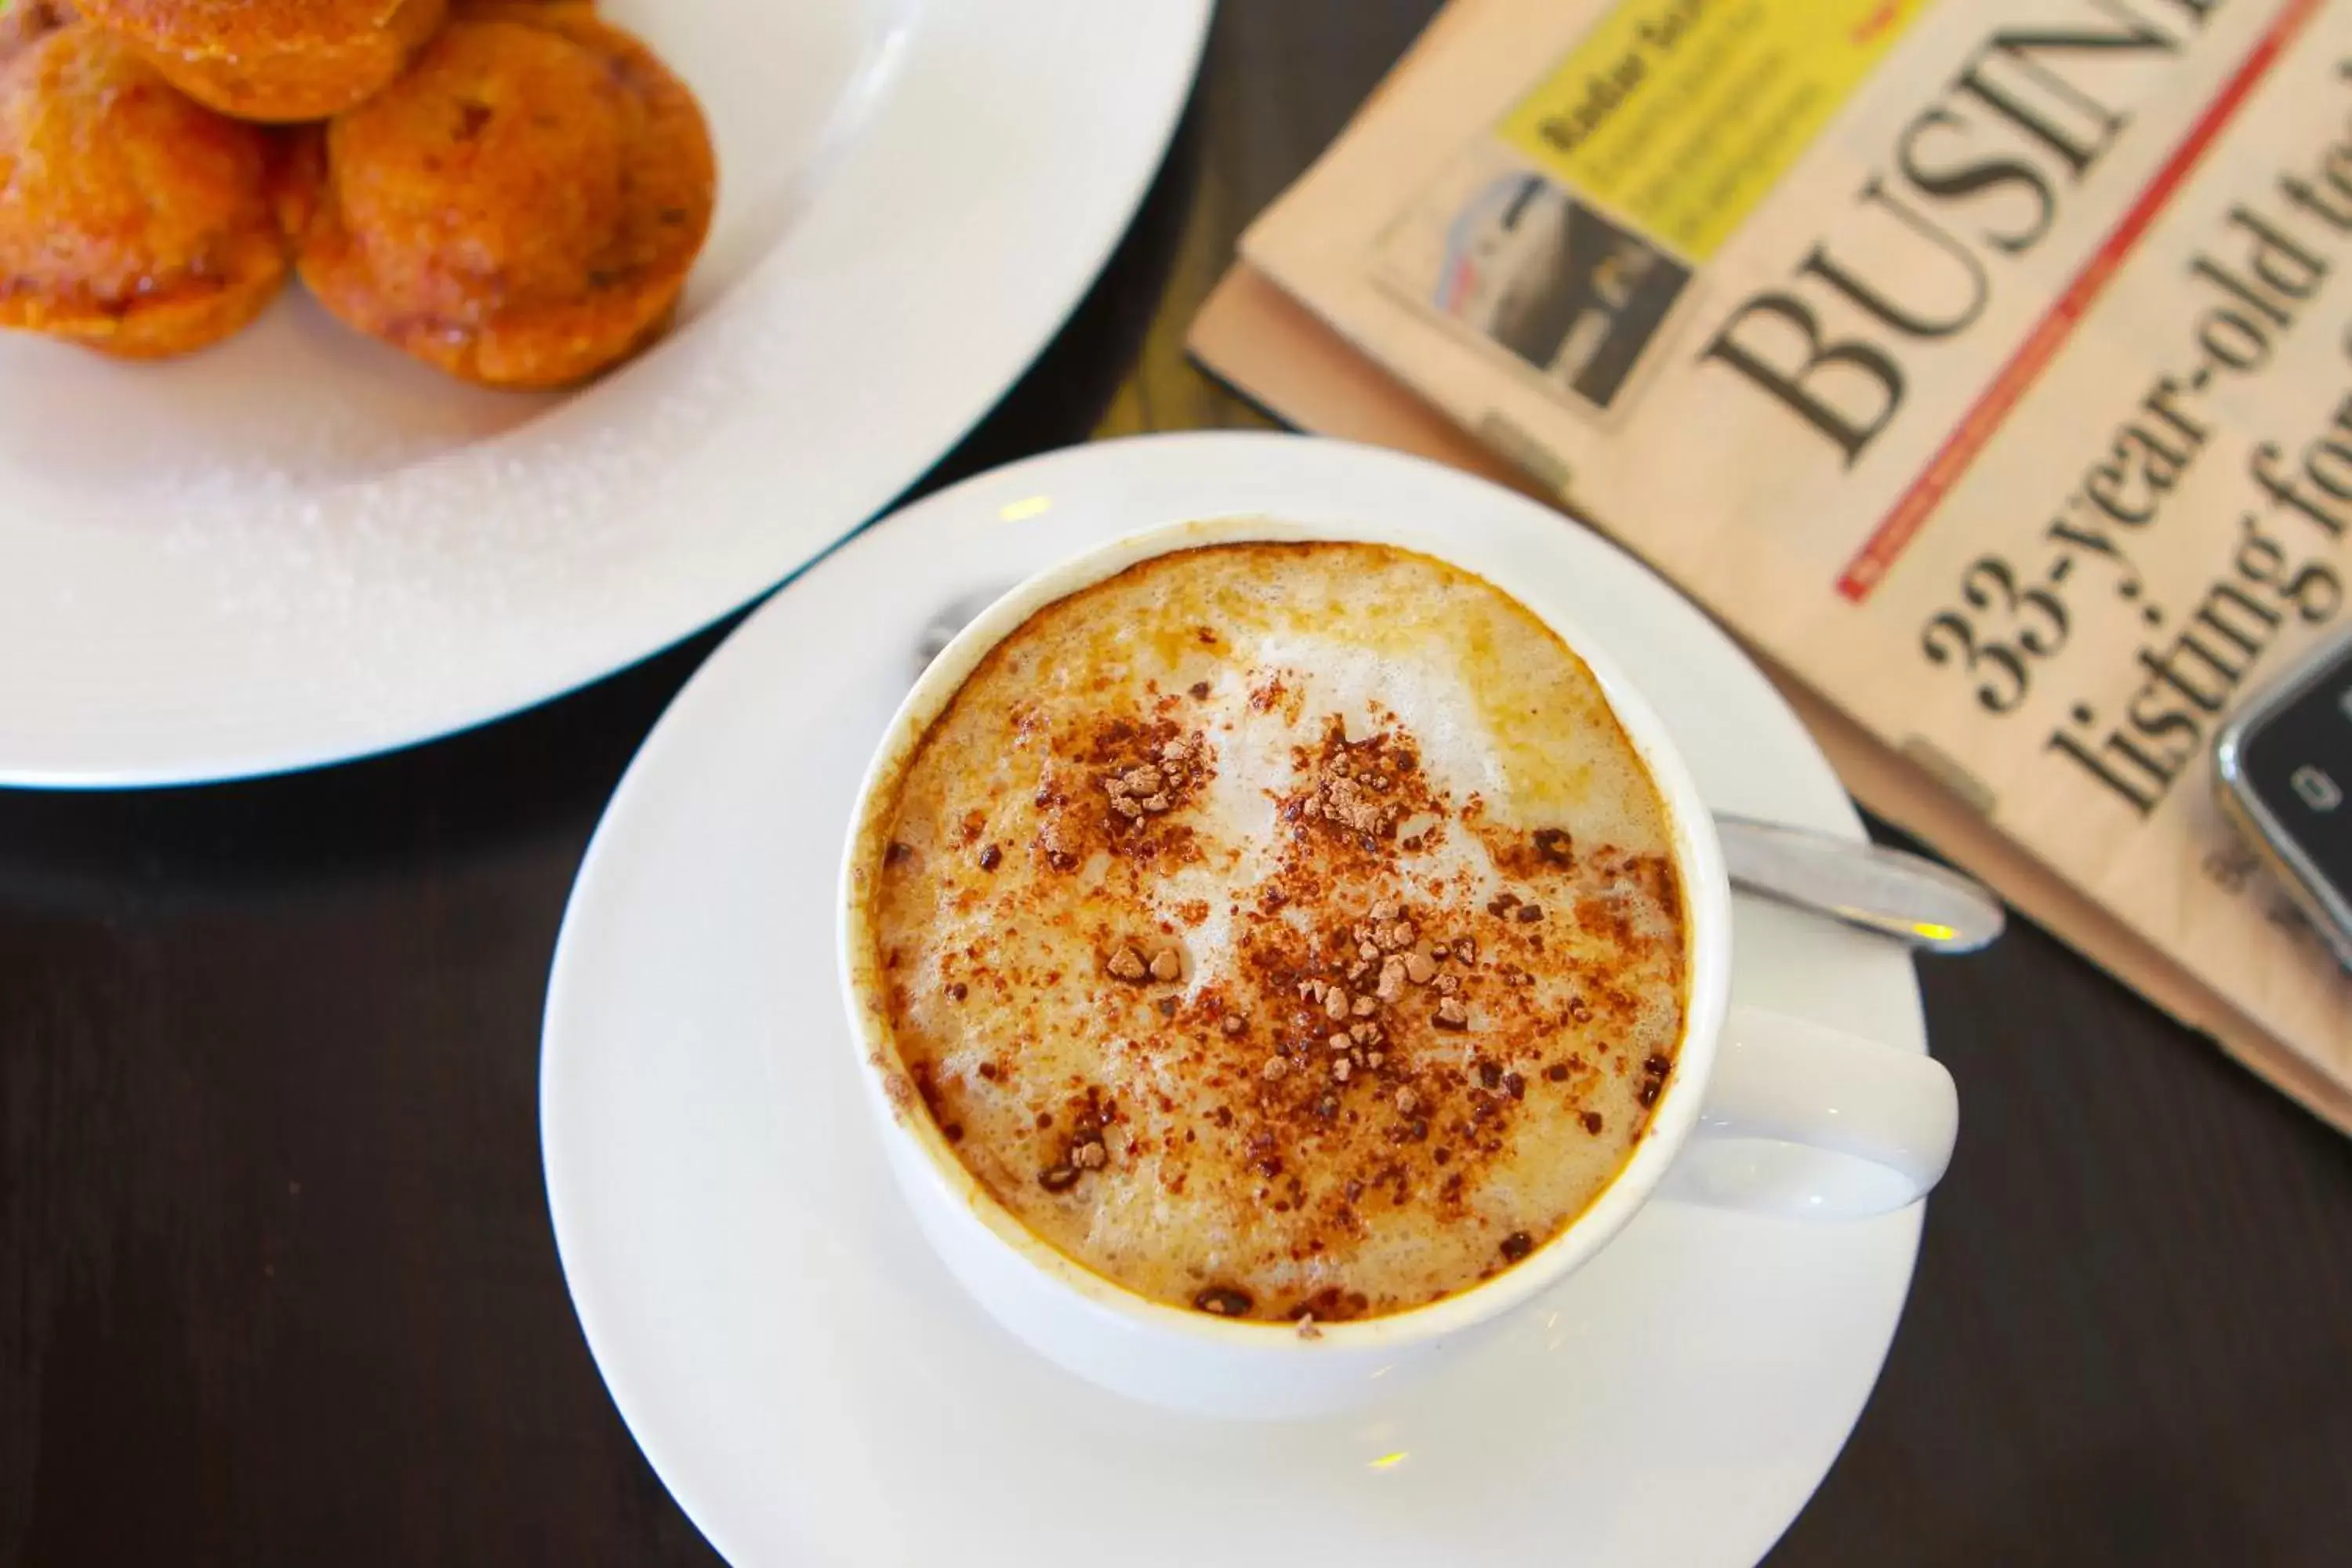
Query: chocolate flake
[[1352, 806], [1223, 1301]]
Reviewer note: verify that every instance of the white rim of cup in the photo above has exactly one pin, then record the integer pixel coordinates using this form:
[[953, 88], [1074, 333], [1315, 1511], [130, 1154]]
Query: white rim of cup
[[1706, 900]]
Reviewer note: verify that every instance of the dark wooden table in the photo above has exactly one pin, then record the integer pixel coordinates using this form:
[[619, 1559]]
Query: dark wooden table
[[276, 1281]]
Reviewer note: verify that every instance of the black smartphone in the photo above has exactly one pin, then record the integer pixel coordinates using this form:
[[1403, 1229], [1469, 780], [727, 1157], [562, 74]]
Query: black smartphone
[[2284, 770]]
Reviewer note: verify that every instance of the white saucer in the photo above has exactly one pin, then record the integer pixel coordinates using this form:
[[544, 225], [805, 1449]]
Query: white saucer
[[803, 1373], [299, 546]]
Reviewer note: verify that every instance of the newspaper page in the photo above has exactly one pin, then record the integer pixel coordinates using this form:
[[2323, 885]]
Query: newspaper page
[[1987, 362]]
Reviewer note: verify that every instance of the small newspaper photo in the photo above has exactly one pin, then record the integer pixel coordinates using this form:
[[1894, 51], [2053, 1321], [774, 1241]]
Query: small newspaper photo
[[1519, 261], [1985, 363]]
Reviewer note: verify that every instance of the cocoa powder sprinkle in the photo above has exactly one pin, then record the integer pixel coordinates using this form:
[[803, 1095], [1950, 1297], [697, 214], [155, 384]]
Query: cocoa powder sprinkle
[[1256, 1035]]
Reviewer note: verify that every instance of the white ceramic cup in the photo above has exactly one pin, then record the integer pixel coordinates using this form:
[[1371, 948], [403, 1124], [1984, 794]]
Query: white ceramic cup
[[1741, 1074]]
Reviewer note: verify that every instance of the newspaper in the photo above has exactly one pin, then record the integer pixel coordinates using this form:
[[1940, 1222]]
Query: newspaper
[[1983, 363]]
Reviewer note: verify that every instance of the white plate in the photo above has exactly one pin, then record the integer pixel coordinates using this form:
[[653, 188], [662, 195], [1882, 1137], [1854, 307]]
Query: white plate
[[300, 547], [803, 1373]]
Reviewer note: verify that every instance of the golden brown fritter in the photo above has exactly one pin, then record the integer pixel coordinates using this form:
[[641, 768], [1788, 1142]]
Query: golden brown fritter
[[521, 210], [132, 219], [24, 21], [275, 59]]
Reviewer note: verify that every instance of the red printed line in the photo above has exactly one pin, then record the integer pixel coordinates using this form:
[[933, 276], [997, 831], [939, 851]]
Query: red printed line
[[1887, 541]]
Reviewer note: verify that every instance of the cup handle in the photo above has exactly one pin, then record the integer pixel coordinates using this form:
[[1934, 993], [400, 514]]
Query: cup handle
[[1793, 1082]]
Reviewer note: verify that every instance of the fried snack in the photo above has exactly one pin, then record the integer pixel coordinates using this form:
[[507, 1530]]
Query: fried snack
[[521, 210], [274, 60], [132, 219], [26, 22]]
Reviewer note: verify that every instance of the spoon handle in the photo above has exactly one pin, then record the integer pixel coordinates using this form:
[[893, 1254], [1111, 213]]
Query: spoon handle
[[1887, 891]]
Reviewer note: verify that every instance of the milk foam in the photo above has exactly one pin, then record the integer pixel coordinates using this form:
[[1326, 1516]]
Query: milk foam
[[1257, 1140]]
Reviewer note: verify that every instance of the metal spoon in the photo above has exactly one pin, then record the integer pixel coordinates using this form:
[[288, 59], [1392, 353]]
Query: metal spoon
[[1908, 897], [1886, 891]]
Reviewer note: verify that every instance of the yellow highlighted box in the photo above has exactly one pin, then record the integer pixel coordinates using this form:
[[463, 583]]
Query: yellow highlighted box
[[1680, 115]]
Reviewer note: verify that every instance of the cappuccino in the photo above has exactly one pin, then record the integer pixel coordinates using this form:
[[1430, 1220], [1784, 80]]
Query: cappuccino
[[1280, 930]]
